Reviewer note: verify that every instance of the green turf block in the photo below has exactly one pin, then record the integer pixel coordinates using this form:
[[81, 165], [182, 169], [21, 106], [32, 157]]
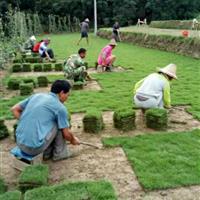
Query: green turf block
[[13, 84], [156, 118], [33, 60], [42, 81], [35, 54], [78, 85], [12, 195], [124, 119], [58, 66], [26, 89], [30, 80], [16, 68], [47, 67], [33, 176], [3, 130], [100, 190], [93, 122], [17, 60], [26, 67], [37, 68], [3, 186]]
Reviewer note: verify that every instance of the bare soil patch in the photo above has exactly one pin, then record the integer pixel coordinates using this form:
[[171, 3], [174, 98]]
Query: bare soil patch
[[26, 74]]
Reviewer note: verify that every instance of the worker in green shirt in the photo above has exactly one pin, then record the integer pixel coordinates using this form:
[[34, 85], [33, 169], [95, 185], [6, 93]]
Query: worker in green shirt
[[154, 90], [75, 68]]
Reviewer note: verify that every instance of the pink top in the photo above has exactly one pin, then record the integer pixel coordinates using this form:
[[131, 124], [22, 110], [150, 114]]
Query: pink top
[[106, 52]]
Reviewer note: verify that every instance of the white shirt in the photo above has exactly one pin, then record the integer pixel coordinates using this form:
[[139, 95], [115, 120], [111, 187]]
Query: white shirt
[[43, 48]]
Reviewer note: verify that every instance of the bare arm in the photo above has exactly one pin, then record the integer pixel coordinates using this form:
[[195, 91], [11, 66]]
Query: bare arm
[[17, 111], [67, 134], [48, 56]]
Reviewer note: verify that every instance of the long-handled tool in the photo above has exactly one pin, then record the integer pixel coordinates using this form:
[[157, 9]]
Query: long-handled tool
[[89, 144]]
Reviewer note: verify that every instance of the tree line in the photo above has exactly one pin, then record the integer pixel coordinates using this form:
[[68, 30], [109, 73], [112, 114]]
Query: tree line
[[125, 11]]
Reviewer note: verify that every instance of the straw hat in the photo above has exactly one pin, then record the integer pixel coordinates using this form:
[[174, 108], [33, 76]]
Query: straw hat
[[170, 70], [33, 38], [87, 20], [113, 42]]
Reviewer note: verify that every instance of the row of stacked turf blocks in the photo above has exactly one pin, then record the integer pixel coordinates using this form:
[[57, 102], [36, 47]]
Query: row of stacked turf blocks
[[124, 120], [27, 85], [37, 67]]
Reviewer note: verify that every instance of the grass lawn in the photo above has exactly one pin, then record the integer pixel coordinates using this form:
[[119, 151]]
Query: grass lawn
[[118, 87], [163, 160], [74, 191]]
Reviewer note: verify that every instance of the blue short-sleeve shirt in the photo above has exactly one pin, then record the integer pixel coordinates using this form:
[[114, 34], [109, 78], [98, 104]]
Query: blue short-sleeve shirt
[[41, 112]]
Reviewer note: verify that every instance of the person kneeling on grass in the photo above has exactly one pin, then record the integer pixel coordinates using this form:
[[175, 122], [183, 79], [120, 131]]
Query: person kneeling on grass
[[106, 59], [154, 90], [44, 123], [44, 51], [75, 68]]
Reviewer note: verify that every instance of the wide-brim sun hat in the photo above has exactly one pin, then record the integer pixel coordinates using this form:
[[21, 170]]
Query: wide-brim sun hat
[[87, 20], [33, 38], [169, 70], [113, 42]]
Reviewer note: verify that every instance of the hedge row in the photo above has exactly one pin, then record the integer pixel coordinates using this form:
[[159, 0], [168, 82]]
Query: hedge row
[[179, 45], [172, 24]]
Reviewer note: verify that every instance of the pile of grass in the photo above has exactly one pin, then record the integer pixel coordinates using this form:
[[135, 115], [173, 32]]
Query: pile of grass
[[37, 68], [3, 186], [12, 195], [93, 122], [156, 118], [26, 89], [42, 81], [3, 130], [30, 80], [78, 85], [163, 160], [47, 67], [13, 84], [26, 67], [124, 119], [16, 68], [58, 66], [74, 191], [33, 176]]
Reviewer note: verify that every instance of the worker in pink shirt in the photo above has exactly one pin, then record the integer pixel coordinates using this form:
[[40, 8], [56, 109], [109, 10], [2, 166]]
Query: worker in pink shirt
[[106, 59]]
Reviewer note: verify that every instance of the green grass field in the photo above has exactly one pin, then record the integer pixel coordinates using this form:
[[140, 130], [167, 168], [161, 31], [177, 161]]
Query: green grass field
[[163, 160], [118, 87]]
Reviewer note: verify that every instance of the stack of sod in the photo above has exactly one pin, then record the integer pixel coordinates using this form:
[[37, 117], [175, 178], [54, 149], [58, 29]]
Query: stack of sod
[[37, 68], [26, 89], [42, 81], [33, 176], [29, 80], [58, 67], [16, 68], [34, 54], [47, 67], [3, 130], [26, 67], [3, 186], [124, 119], [33, 60], [12, 195], [78, 85], [93, 122], [13, 84], [156, 118], [17, 60]]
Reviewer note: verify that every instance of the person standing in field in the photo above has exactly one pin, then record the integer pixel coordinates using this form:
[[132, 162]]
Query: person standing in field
[[115, 32], [84, 30], [154, 90], [44, 123], [106, 59]]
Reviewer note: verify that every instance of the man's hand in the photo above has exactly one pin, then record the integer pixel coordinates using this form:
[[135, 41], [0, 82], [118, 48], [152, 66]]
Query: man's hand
[[16, 110], [75, 141], [67, 134]]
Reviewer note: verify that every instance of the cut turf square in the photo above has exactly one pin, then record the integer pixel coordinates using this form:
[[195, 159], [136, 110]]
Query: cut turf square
[[12, 195], [163, 161]]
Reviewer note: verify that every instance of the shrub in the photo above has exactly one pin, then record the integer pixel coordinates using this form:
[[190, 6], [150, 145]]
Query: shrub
[[124, 119], [78, 85], [42, 81], [29, 80], [16, 68], [93, 122], [12, 195], [3, 186], [13, 84], [156, 118], [47, 67], [33, 176], [3, 130], [17, 60], [37, 68], [26, 89], [58, 66], [26, 67]]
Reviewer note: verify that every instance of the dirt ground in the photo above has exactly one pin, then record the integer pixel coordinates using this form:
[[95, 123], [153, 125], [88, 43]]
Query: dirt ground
[[110, 164]]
